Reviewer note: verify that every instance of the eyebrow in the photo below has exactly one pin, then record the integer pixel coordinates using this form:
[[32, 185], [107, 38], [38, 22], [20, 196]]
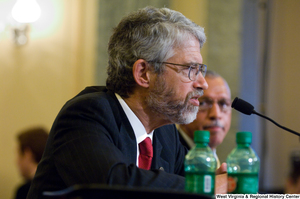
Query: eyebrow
[[208, 98], [204, 98]]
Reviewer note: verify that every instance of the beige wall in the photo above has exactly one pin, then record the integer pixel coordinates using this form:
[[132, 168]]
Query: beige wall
[[282, 90], [38, 78], [197, 11]]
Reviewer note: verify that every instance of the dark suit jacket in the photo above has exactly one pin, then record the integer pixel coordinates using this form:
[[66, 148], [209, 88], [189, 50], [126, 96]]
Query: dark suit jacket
[[92, 141], [22, 191], [184, 142]]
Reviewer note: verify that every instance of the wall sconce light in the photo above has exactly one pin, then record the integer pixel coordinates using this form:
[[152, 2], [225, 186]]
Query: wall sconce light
[[24, 12]]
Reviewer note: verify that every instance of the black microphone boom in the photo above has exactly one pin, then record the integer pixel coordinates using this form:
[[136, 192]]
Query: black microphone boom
[[248, 109]]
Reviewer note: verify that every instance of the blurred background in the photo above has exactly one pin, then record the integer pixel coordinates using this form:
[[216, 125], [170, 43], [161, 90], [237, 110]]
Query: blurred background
[[253, 44]]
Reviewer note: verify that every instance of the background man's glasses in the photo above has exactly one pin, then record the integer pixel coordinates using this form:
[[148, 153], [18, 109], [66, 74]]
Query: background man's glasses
[[206, 104]]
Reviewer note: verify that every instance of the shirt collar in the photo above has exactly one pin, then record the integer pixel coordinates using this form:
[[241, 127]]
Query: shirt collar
[[137, 126], [190, 142]]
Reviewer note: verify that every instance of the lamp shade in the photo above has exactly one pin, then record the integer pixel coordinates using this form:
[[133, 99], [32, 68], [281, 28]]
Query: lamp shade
[[26, 11]]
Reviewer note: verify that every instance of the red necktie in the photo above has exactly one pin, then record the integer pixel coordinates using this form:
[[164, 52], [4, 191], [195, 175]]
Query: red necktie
[[146, 154]]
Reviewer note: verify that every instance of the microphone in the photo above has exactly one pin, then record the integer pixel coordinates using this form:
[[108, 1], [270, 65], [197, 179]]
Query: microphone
[[246, 108]]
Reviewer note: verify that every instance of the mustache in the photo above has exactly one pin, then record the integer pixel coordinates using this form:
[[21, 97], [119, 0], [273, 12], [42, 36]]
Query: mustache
[[194, 93], [188, 97], [215, 123]]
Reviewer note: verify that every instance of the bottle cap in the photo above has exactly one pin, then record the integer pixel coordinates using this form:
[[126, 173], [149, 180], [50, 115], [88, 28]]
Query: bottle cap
[[201, 136], [244, 137]]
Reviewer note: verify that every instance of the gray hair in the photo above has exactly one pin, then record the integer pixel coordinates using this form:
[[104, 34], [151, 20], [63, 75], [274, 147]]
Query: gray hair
[[151, 34]]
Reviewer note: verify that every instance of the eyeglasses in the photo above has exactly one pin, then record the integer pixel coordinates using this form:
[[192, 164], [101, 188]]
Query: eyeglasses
[[190, 71], [206, 104]]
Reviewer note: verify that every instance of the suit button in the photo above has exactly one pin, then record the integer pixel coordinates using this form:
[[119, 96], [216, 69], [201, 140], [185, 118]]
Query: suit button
[[161, 168]]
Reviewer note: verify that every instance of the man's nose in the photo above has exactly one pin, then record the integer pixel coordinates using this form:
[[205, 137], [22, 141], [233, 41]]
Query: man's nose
[[215, 111], [200, 82]]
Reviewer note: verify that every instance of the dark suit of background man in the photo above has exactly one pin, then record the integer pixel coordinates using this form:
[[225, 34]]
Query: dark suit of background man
[[155, 77]]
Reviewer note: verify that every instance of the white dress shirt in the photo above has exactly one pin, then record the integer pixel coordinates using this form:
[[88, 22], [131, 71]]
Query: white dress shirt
[[137, 126]]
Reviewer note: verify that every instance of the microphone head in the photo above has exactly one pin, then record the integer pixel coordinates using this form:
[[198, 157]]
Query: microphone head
[[242, 106]]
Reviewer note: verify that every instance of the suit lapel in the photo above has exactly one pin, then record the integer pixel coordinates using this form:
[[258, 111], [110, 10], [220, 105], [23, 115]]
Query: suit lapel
[[129, 149], [158, 161], [128, 143]]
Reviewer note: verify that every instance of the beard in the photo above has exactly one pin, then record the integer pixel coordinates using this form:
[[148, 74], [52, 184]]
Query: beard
[[163, 100]]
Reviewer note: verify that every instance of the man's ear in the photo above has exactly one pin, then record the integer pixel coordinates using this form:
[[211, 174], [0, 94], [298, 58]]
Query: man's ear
[[141, 72], [28, 154]]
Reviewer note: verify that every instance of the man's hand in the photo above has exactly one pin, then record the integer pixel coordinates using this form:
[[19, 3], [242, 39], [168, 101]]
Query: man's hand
[[221, 179], [222, 169]]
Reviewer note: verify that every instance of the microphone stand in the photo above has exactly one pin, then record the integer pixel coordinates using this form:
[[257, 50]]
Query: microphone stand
[[285, 128]]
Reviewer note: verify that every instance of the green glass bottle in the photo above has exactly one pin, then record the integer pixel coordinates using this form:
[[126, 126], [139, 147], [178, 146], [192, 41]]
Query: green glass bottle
[[200, 166], [243, 166]]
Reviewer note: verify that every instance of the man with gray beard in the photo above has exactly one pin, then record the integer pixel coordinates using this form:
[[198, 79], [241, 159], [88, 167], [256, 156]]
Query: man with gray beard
[[124, 133]]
